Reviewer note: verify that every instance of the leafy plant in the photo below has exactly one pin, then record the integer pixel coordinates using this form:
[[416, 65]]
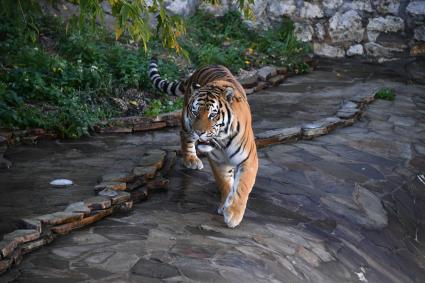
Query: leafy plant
[[67, 78], [385, 94], [158, 106], [227, 41], [67, 86], [132, 18]]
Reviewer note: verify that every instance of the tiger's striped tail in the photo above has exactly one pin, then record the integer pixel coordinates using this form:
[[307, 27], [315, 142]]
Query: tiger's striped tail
[[172, 88]]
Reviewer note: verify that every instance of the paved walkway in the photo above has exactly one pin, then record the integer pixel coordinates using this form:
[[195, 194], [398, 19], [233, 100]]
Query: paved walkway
[[345, 207]]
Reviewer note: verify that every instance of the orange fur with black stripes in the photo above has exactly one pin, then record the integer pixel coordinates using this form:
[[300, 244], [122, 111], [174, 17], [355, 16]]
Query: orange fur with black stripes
[[216, 120]]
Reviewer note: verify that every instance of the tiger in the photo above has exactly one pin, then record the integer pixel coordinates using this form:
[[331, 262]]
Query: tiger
[[216, 120]]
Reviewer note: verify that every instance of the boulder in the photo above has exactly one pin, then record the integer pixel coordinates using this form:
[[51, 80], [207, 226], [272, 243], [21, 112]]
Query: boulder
[[383, 24], [387, 6], [359, 5], [376, 50], [356, 49], [326, 50], [182, 8], [277, 9], [420, 33], [331, 6], [260, 10], [215, 10], [303, 31], [320, 31], [311, 11], [346, 27], [386, 24], [416, 8]]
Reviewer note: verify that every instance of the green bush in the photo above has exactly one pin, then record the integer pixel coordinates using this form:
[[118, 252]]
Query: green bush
[[227, 41], [158, 106], [62, 78], [66, 87]]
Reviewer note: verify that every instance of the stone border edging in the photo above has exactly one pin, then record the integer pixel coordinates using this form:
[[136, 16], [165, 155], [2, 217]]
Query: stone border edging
[[251, 81], [349, 112], [116, 192]]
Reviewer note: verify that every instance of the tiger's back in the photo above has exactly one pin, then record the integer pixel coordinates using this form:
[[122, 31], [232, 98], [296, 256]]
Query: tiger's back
[[216, 120]]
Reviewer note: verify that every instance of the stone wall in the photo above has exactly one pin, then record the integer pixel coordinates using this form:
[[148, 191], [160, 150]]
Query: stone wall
[[381, 29]]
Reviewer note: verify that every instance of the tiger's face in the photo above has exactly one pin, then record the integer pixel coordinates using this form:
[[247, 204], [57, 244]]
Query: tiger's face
[[209, 115]]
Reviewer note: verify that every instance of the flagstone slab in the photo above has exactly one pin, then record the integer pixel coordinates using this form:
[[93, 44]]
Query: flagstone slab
[[22, 235], [68, 227], [119, 186], [154, 158], [78, 207], [121, 177], [7, 246], [278, 136], [145, 171], [320, 127], [59, 217], [28, 223], [98, 202]]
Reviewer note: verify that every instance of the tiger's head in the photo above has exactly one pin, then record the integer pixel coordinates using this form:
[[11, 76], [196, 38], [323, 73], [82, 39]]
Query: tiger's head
[[209, 114]]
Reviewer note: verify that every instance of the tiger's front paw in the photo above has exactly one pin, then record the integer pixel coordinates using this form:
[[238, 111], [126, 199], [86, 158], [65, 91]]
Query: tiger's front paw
[[192, 162], [233, 215]]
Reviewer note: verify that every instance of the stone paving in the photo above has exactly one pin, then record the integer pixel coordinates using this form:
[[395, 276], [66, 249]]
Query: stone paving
[[348, 206]]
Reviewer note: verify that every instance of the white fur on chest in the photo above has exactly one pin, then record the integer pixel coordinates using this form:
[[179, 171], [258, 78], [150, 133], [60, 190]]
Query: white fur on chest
[[223, 156]]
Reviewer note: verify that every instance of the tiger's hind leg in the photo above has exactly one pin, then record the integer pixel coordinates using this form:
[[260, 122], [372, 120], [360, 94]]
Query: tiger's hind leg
[[223, 175]]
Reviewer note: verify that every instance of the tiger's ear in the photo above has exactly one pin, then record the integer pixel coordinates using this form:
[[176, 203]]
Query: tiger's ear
[[230, 93]]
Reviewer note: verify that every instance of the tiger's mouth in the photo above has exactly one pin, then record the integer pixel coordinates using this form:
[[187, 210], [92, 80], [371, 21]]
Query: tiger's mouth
[[201, 142], [205, 146]]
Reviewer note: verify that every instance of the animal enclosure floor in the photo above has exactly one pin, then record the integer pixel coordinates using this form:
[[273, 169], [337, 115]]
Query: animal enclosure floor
[[345, 207]]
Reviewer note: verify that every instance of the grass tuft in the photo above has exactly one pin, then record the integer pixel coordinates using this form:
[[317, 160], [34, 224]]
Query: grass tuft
[[385, 94]]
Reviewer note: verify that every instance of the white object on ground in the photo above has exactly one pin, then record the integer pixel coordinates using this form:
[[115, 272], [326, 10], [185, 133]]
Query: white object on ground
[[61, 182]]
